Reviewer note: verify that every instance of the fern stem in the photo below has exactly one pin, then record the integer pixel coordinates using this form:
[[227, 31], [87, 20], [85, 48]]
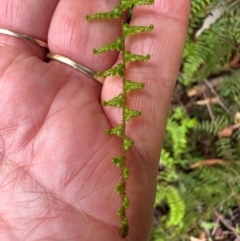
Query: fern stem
[[124, 221]]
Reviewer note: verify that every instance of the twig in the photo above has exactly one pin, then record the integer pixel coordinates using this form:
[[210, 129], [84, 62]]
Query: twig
[[216, 94], [215, 227], [226, 224], [209, 109], [200, 88]]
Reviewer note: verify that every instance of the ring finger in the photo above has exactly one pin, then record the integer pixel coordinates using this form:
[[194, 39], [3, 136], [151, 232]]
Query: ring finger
[[28, 17]]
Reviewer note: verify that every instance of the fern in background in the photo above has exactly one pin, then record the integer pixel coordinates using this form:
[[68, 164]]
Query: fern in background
[[172, 156], [210, 52], [200, 159]]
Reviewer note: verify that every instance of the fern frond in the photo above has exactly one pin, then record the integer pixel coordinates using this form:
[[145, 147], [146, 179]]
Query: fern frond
[[129, 57], [116, 45], [127, 143], [177, 206], [129, 3], [131, 85], [213, 49], [131, 30], [225, 149], [116, 70], [115, 13], [118, 130], [118, 161], [129, 113], [213, 127]]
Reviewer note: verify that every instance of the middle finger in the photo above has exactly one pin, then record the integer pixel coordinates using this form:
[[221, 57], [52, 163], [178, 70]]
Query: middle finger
[[73, 36]]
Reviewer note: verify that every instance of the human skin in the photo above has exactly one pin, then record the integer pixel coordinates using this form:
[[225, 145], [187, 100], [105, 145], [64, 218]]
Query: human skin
[[56, 176]]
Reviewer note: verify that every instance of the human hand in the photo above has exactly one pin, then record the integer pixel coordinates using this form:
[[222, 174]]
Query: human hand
[[56, 178]]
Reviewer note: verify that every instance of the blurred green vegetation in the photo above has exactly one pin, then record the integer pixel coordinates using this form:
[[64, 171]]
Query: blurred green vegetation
[[200, 160]]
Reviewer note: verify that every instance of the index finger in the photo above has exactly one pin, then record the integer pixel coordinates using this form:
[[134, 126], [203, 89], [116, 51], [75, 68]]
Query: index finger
[[165, 45]]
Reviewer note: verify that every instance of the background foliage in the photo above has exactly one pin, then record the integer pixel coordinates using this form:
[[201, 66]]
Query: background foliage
[[199, 182]]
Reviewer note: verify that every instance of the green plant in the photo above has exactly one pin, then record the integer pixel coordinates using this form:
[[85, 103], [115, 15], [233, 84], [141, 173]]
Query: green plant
[[120, 101], [172, 157], [210, 52], [199, 163], [189, 185]]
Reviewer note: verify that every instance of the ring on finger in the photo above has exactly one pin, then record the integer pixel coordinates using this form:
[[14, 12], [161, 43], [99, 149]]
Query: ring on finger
[[23, 36], [75, 65]]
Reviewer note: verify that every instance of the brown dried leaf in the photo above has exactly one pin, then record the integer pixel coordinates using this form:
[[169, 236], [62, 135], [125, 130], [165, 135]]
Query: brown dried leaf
[[197, 239], [210, 162], [208, 101], [227, 131]]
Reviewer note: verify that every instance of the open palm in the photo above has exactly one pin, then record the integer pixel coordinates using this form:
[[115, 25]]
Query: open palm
[[56, 178]]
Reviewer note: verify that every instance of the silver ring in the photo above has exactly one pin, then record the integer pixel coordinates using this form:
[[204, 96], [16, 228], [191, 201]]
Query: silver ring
[[75, 65], [23, 36]]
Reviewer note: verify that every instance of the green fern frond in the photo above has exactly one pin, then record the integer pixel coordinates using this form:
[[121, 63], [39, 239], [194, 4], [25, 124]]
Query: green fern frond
[[131, 85], [120, 101], [174, 201], [178, 137], [177, 206], [116, 45], [118, 130], [131, 30], [160, 195], [177, 127], [129, 113], [229, 89], [213, 127], [116, 70], [210, 52], [225, 149], [118, 161], [129, 3], [116, 13], [130, 57]]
